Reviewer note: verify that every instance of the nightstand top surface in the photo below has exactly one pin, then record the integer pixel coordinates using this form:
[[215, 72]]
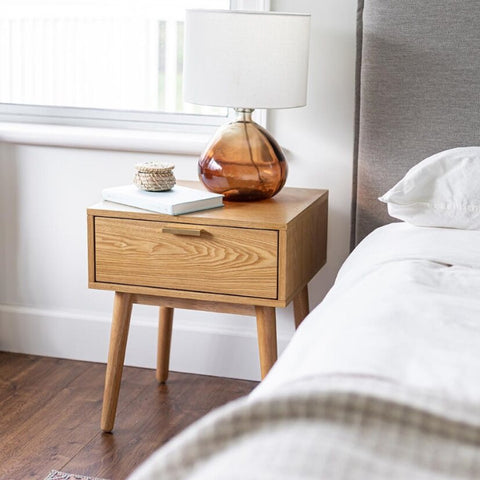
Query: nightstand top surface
[[275, 212]]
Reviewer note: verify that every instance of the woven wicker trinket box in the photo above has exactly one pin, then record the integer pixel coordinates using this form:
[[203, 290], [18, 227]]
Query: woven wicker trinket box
[[154, 177]]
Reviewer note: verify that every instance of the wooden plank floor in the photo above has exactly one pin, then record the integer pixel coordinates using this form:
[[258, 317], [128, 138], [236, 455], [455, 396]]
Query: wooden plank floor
[[50, 415]]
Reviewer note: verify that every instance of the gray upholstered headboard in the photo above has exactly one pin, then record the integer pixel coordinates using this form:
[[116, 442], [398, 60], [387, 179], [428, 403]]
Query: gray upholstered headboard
[[418, 92]]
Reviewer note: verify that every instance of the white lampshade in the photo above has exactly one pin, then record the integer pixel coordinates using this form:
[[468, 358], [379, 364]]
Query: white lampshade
[[246, 59]]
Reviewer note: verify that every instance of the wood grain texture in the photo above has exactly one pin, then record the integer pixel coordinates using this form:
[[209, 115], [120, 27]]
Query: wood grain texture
[[35, 444], [234, 261], [303, 248], [274, 213], [27, 385], [165, 324], [50, 410], [91, 247], [267, 338], [122, 309]]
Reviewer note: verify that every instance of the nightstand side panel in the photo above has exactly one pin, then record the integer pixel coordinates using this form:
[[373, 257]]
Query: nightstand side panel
[[305, 248], [91, 248]]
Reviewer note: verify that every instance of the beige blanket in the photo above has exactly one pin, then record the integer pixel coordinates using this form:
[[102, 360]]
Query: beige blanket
[[331, 427]]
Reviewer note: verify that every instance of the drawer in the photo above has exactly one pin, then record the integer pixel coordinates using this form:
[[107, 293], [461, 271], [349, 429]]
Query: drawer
[[210, 259]]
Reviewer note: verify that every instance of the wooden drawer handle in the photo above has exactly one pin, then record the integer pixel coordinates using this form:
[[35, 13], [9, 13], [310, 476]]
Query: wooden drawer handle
[[192, 232]]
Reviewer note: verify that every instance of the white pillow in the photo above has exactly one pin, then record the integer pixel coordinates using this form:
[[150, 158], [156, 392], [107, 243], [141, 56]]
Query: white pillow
[[441, 191]]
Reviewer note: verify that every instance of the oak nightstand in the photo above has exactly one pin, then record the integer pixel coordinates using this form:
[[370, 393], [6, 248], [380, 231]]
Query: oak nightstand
[[244, 258]]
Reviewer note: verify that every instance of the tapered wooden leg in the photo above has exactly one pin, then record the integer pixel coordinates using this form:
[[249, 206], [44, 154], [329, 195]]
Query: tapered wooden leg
[[122, 309], [300, 306], [165, 323], [267, 338]]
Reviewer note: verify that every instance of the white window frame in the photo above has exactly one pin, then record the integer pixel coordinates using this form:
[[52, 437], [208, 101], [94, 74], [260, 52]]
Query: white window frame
[[118, 119]]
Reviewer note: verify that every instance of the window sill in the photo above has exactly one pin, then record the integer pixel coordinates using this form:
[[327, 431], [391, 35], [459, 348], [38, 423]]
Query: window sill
[[176, 143]]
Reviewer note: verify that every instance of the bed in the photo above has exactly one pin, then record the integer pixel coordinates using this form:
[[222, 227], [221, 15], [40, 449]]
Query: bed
[[381, 379]]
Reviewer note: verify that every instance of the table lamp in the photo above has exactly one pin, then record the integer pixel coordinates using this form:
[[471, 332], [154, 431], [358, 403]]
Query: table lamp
[[245, 60]]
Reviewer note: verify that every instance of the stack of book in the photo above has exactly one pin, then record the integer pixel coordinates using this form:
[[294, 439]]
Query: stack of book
[[176, 201]]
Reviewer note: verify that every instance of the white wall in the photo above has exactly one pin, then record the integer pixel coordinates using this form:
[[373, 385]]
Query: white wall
[[45, 305]]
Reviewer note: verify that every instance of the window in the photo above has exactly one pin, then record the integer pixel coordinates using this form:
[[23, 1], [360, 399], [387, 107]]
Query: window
[[99, 62]]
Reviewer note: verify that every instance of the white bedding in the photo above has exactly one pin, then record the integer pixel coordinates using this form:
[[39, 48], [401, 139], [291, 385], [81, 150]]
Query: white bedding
[[329, 428], [405, 307], [380, 380]]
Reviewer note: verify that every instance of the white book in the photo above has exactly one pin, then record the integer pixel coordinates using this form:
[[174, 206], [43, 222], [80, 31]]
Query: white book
[[176, 201]]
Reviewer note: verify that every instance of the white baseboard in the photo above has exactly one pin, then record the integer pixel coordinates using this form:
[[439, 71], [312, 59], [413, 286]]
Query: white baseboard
[[229, 352]]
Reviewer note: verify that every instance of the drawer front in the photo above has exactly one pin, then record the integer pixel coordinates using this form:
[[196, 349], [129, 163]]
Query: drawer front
[[210, 259]]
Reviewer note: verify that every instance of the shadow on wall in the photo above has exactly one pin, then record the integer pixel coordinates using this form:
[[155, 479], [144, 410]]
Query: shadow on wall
[[10, 248], [10, 239]]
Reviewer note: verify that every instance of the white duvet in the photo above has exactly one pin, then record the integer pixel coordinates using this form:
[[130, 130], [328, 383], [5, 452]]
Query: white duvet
[[405, 307], [378, 382]]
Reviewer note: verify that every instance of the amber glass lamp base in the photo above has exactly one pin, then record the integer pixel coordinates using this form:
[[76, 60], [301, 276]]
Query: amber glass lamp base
[[243, 161]]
